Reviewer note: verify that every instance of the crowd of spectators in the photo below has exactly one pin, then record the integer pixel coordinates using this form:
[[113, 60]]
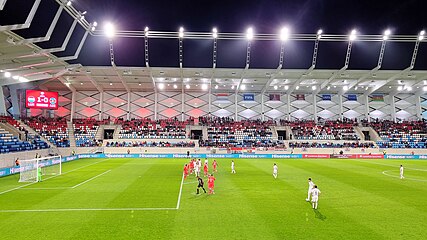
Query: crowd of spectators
[[53, 129], [147, 128], [326, 130], [150, 144], [331, 145]]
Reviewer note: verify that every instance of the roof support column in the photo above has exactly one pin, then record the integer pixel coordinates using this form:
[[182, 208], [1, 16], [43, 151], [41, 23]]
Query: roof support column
[[393, 108], [315, 107], [73, 105], [367, 108], [101, 104], [340, 106]]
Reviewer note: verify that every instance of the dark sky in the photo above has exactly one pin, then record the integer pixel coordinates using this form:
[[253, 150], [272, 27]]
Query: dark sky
[[268, 16]]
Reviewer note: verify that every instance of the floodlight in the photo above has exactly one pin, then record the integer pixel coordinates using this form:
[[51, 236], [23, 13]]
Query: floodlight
[[181, 32], [386, 34], [319, 33], [69, 3], [7, 74], [111, 84], [421, 35], [175, 86], [232, 87], [284, 34], [250, 34], [146, 30], [297, 87], [275, 87], [161, 85], [187, 86], [345, 88], [204, 86], [214, 33], [286, 87], [400, 88], [93, 28], [95, 24], [109, 30], [313, 88], [353, 35]]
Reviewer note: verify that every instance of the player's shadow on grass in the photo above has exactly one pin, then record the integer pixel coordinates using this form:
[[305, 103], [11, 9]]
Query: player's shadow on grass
[[319, 215]]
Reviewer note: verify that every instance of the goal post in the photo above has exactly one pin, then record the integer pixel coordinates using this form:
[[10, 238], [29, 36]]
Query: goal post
[[32, 170]]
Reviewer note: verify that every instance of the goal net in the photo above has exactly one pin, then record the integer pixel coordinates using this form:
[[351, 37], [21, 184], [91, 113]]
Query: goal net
[[32, 170]]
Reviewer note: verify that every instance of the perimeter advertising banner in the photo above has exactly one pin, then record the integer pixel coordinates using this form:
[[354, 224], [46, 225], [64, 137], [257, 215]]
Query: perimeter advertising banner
[[41, 99]]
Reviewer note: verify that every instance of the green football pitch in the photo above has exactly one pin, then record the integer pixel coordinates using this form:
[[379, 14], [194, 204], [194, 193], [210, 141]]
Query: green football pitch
[[147, 199]]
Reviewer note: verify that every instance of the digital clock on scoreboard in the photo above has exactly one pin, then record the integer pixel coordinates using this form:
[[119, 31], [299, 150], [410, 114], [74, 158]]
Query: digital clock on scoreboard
[[41, 99]]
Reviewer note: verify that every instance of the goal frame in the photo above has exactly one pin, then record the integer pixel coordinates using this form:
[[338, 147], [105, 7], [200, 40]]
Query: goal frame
[[28, 171]]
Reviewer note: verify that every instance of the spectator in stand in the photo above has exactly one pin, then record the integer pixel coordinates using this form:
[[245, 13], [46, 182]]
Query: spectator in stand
[[17, 163]]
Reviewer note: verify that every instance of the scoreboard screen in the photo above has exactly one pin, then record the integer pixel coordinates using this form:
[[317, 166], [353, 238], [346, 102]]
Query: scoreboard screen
[[41, 99]]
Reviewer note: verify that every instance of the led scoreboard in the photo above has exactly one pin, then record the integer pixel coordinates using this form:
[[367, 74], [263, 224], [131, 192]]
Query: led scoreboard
[[41, 99]]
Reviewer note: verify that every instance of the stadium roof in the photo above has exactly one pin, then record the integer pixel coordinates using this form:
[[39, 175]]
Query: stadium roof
[[25, 61]]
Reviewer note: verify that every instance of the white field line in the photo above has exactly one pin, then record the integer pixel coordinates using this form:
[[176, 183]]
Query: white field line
[[13, 189], [180, 192], [412, 179], [190, 182], [83, 209], [52, 188], [389, 165], [90, 179]]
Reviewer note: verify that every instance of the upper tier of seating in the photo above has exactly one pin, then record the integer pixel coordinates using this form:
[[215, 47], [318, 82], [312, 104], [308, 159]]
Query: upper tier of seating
[[147, 128], [406, 134], [150, 144], [85, 131], [53, 129], [328, 130], [331, 145]]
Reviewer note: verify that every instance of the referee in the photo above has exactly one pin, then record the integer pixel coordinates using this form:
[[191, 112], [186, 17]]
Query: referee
[[200, 182]]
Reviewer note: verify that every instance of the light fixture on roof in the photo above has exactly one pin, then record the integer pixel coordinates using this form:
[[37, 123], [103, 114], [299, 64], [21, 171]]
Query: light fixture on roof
[[353, 35], [319, 33], [111, 84], [297, 87], [286, 87], [204, 87], [356, 88], [335, 86], [161, 85], [366, 88], [243, 87], [400, 88], [216, 86], [175, 86], [187, 86], [146, 31], [214, 33], [7, 74], [252, 85], [275, 87], [345, 88], [421, 35], [95, 24], [22, 79], [232, 87], [139, 84], [81, 83], [386, 34], [284, 34], [425, 88], [313, 88], [250, 33], [181, 32], [15, 77], [409, 89], [69, 3], [109, 30], [329, 87], [67, 84]]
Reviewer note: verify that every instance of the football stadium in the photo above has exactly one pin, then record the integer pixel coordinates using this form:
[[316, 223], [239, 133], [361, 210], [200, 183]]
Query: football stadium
[[213, 119]]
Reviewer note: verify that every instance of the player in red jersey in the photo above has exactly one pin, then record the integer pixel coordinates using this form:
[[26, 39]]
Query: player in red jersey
[[211, 184], [205, 169], [191, 166], [185, 171], [215, 164]]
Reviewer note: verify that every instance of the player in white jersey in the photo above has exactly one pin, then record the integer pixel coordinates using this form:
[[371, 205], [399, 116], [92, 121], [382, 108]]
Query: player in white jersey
[[275, 169], [401, 172], [196, 169], [315, 196], [206, 161], [232, 167], [310, 188]]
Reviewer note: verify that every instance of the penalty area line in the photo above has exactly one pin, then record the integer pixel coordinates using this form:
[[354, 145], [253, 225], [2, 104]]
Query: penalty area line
[[83, 210], [90, 179], [180, 192]]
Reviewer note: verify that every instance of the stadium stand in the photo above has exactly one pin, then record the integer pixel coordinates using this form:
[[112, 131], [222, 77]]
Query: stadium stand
[[9, 143], [328, 130], [225, 132], [53, 129], [405, 134], [85, 131], [146, 128], [331, 145]]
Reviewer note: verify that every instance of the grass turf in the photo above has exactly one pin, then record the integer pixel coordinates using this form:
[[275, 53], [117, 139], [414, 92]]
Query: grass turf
[[358, 201]]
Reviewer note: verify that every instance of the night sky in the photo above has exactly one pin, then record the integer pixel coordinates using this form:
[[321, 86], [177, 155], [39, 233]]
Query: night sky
[[268, 16]]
